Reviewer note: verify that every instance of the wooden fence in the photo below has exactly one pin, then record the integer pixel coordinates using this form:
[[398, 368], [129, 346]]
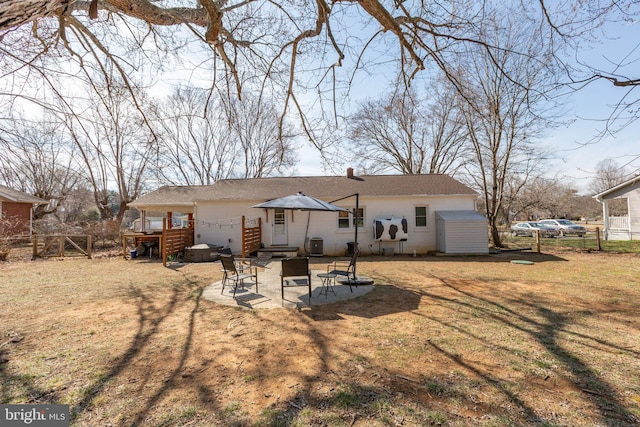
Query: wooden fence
[[52, 245], [251, 236], [175, 240]]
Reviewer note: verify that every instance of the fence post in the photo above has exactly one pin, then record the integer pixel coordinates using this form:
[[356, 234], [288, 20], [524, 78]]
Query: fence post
[[598, 238], [538, 240], [242, 238], [35, 247], [162, 244]]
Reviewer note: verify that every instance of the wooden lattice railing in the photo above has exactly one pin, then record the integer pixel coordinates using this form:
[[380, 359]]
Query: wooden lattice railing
[[251, 236], [175, 240]]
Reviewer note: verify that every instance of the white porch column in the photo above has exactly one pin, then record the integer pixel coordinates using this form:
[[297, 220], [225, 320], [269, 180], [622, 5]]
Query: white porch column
[[605, 216], [143, 220]]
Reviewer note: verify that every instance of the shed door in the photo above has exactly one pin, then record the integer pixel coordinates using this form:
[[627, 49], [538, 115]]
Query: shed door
[[279, 233]]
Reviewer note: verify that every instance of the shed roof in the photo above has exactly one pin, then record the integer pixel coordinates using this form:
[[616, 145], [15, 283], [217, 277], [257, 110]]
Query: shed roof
[[324, 187], [460, 216], [11, 195]]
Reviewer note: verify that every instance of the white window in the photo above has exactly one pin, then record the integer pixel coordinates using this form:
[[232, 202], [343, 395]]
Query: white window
[[422, 213], [347, 221]]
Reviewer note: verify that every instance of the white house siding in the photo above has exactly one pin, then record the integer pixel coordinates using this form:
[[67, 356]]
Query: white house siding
[[633, 198], [632, 194], [461, 232], [218, 221]]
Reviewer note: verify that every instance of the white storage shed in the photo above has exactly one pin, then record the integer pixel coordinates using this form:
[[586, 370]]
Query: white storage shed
[[461, 232]]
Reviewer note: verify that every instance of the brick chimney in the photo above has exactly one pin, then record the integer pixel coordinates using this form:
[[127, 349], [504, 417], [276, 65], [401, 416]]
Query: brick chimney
[[349, 172]]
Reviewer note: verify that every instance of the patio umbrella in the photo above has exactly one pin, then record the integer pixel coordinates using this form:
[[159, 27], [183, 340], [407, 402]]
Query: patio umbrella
[[303, 202], [300, 202]]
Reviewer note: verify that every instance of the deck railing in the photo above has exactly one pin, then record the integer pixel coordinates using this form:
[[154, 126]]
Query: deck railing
[[175, 240], [618, 223], [251, 236]]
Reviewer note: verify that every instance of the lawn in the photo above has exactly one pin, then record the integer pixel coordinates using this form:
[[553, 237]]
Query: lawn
[[458, 341]]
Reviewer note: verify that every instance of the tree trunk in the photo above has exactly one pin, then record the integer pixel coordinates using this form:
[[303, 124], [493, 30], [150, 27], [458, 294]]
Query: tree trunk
[[14, 13], [495, 233]]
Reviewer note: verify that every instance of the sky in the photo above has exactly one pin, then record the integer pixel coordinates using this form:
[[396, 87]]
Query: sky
[[575, 156], [576, 152]]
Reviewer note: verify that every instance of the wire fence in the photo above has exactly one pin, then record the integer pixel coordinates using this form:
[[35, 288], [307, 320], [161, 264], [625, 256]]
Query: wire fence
[[593, 240]]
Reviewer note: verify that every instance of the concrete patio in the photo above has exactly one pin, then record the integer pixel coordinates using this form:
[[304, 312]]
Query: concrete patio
[[269, 295]]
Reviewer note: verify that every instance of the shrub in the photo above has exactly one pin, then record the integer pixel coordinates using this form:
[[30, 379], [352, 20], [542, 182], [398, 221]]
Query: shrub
[[11, 229]]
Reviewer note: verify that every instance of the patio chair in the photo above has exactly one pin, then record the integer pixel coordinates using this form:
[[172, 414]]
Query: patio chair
[[295, 267], [342, 268], [237, 276]]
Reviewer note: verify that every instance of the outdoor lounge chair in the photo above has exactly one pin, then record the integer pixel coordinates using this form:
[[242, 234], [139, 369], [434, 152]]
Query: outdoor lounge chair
[[295, 267], [341, 268], [236, 275]]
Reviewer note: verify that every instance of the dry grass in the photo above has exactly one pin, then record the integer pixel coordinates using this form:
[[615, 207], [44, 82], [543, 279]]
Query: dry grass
[[440, 341]]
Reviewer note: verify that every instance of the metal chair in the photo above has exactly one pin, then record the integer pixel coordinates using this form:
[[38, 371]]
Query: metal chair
[[295, 267], [341, 268], [231, 273]]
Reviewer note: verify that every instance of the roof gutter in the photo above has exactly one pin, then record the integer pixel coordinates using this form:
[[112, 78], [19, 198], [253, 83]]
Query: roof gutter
[[632, 181]]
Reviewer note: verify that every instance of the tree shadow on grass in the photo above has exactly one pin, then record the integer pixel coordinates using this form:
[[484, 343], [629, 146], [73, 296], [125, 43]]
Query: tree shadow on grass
[[383, 300], [594, 388], [545, 326], [149, 320], [26, 383], [174, 374], [502, 257]]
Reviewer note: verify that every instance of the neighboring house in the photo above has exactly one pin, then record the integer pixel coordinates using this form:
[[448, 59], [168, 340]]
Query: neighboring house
[[219, 209], [622, 227], [16, 204]]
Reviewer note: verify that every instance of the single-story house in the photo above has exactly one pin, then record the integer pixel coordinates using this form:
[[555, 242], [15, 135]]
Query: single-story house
[[223, 210], [20, 205], [622, 227]]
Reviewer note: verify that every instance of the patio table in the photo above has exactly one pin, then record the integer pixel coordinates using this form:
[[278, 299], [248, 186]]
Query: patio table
[[328, 281]]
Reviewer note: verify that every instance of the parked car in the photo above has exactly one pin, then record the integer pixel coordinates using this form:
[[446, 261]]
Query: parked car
[[564, 226], [530, 228]]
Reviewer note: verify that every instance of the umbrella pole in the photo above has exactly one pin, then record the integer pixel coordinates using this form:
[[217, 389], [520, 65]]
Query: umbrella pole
[[356, 217], [355, 248]]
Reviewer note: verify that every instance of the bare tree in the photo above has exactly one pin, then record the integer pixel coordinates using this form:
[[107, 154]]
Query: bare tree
[[301, 45], [204, 139], [617, 66], [263, 145], [405, 133], [113, 146], [78, 206], [195, 147], [36, 158], [607, 175], [505, 105], [544, 197]]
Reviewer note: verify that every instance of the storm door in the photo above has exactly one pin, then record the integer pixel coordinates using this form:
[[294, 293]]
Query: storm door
[[279, 234]]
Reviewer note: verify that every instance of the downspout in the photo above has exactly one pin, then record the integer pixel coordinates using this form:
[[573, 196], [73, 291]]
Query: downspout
[[605, 217]]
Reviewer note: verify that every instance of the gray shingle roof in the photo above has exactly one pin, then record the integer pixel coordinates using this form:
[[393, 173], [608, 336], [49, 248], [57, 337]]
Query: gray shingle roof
[[323, 187], [12, 195]]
